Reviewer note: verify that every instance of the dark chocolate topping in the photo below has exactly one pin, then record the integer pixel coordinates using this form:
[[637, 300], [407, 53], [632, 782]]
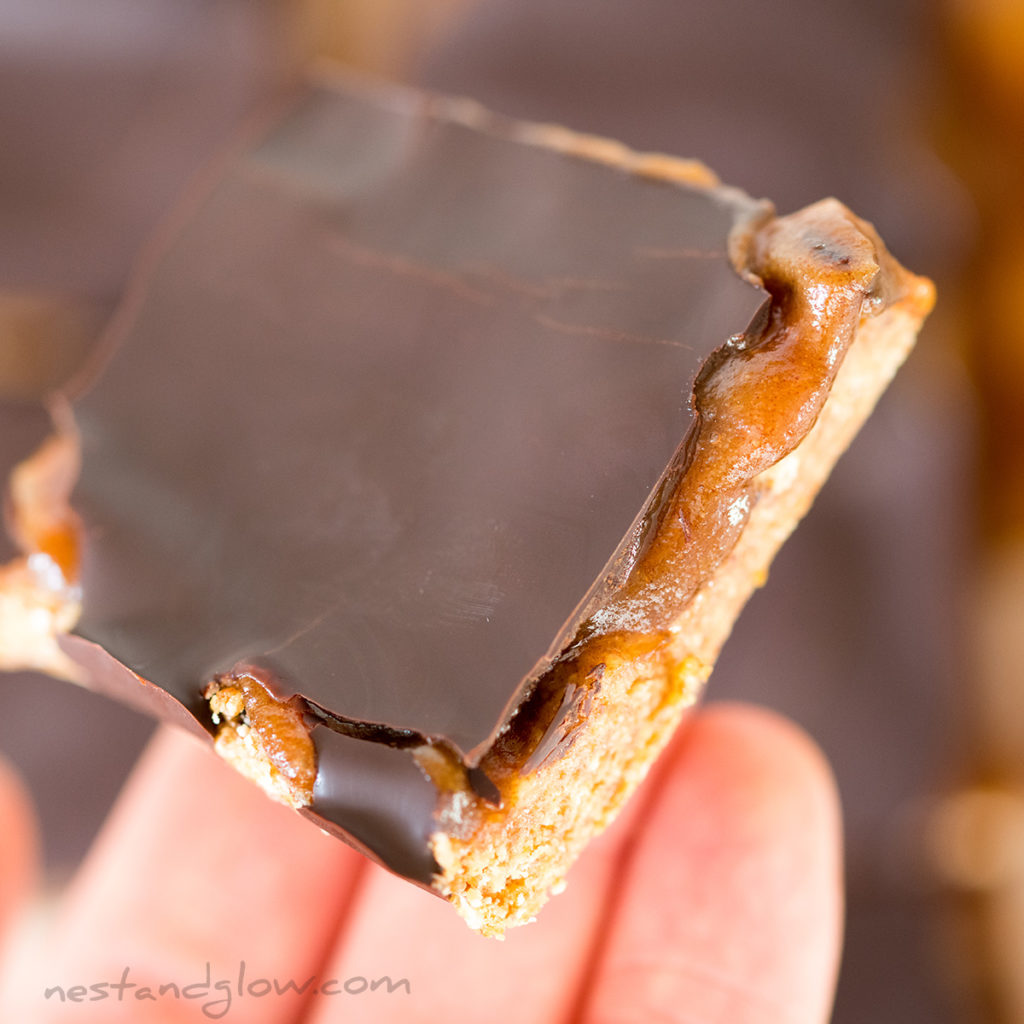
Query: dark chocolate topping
[[391, 402]]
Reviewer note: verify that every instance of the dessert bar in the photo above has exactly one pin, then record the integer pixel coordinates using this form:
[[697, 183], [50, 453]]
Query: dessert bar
[[428, 462]]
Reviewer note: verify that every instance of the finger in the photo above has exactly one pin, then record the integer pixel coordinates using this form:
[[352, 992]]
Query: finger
[[18, 849], [730, 905], [196, 877]]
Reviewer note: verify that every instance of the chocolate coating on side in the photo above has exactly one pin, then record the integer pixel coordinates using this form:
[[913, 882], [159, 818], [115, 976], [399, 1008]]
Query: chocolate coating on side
[[376, 798], [391, 401]]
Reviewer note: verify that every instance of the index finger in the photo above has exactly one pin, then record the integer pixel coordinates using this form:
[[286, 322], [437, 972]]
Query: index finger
[[195, 873]]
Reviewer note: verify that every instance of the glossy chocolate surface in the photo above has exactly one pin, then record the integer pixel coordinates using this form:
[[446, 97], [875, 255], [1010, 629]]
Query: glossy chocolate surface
[[393, 398]]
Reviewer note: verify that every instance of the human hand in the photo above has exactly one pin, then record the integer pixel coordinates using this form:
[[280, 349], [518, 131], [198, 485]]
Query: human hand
[[714, 897]]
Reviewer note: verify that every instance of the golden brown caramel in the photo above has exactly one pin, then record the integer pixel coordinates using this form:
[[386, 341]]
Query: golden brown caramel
[[756, 398], [266, 738], [43, 521]]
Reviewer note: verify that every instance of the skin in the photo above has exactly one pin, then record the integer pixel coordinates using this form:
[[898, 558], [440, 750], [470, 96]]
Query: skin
[[714, 897]]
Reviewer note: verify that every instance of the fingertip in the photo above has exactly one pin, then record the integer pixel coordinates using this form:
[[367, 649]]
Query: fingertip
[[19, 846], [194, 871], [730, 901], [765, 755]]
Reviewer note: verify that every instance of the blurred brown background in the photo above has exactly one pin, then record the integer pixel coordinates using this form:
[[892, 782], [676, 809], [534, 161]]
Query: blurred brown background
[[891, 628]]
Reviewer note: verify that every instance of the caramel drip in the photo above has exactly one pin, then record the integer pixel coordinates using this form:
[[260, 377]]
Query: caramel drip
[[756, 398]]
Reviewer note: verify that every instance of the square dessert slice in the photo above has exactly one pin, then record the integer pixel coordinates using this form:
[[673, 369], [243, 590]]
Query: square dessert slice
[[429, 461]]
